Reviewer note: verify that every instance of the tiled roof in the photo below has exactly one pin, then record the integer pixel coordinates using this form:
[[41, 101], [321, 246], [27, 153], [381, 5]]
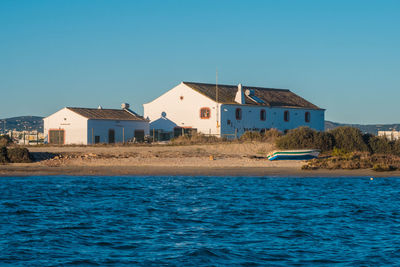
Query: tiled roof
[[107, 114], [270, 96]]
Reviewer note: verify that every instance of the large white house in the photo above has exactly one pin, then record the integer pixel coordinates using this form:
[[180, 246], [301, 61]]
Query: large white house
[[229, 110], [90, 126]]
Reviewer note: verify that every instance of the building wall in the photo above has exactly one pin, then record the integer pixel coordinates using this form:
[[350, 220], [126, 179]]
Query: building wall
[[170, 110], [74, 126], [180, 107], [391, 135], [123, 130], [274, 119]]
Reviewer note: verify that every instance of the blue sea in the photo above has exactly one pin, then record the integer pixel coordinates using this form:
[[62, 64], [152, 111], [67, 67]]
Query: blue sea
[[201, 221]]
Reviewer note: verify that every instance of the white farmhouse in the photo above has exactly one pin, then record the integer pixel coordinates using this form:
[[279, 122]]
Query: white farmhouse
[[90, 126], [229, 110]]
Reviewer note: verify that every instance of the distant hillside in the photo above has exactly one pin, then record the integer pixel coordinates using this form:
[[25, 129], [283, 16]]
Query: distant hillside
[[29, 123], [365, 128]]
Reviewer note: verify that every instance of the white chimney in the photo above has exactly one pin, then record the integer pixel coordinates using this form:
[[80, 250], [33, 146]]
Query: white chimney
[[125, 106], [239, 95]]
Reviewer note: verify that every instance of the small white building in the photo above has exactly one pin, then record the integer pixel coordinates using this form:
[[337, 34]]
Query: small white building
[[391, 135], [91, 126], [229, 110]]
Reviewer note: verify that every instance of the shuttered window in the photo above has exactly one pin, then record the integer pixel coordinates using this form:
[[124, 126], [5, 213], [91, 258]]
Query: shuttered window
[[205, 113], [56, 137]]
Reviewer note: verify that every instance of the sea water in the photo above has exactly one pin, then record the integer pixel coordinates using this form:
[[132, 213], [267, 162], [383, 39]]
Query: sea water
[[51, 221]]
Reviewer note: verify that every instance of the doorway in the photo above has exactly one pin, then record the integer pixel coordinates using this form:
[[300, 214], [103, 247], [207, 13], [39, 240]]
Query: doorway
[[111, 136]]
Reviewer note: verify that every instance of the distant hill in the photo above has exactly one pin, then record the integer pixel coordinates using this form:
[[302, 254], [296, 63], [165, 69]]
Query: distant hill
[[29, 123], [365, 128]]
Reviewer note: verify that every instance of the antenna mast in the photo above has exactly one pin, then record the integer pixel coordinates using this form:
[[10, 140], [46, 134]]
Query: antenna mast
[[216, 95]]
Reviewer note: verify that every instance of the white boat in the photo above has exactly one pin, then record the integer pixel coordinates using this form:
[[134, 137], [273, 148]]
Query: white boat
[[301, 154]]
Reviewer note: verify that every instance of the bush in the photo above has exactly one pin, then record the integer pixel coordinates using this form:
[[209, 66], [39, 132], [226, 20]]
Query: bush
[[396, 148], [195, 138], [380, 145], [304, 137], [349, 139], [251, 136], [19, 155], [383, 168], [5, 140], [264, 136], [3, 155]]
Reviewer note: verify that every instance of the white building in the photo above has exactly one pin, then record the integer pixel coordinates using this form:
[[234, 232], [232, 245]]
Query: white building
[[391, 135], [90, 126], [228, 110]]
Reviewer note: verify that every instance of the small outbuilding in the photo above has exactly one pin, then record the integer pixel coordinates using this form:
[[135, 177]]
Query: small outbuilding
[[91, 126]]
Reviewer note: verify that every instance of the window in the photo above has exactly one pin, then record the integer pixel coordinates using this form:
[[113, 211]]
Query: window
[[238, 113], [286, 116], [307, 116], [228, 122], [56, 137], [205, 113], [263, 115]]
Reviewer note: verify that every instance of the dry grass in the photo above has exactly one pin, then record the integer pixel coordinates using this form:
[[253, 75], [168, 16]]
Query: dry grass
[[355, 160]]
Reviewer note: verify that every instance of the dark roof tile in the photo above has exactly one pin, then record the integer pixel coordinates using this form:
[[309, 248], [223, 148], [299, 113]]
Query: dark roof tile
[[270, 96], [107, 114]]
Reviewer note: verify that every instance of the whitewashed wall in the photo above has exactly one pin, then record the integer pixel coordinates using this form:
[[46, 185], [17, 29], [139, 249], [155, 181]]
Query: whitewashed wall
[[74, 126], [122, 129], [274, 119], [186, 113], [181, 112]]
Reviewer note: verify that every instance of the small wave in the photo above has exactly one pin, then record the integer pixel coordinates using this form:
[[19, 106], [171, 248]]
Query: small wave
[[83, 262]]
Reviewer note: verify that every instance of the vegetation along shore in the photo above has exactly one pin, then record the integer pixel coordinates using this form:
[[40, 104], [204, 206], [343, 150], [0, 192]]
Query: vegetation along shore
[[345, 151]]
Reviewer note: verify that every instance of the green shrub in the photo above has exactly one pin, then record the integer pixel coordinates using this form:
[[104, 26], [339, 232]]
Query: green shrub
[[3, 155], [349, 138], [5, 140], [396, 147], [380, 145], [304, 137], [18, 155]]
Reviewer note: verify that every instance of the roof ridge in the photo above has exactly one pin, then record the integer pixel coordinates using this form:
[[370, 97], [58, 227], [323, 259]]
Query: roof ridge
[[244, 86]]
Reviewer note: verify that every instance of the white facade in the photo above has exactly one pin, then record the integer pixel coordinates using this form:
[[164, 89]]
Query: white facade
[[391, 135], [78, 129], [180, 107]]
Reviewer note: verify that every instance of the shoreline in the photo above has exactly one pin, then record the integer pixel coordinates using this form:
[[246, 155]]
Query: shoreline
[[247, 159], [13, 170]]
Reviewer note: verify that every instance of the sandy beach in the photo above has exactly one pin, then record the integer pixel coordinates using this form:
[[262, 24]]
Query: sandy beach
[[247, 159]]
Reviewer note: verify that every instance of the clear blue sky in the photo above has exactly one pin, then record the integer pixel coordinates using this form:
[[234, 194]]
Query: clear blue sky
[[343, 56]]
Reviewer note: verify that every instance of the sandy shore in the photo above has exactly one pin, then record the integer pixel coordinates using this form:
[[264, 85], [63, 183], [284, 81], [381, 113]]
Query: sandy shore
[[197, 160]]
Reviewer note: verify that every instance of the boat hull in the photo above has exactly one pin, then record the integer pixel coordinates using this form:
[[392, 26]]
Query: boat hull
[[294, 155]]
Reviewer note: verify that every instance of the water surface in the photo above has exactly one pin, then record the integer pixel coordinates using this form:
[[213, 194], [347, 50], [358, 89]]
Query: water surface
[[49, 221]]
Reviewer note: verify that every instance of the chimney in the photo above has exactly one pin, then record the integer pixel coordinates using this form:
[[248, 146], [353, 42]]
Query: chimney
[[239, 95], [125, 106]]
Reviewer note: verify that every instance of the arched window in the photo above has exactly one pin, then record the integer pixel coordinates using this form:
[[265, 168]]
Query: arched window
[[238, 113], [263, 115], [205, 113], [307, 116], [286, 115]]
